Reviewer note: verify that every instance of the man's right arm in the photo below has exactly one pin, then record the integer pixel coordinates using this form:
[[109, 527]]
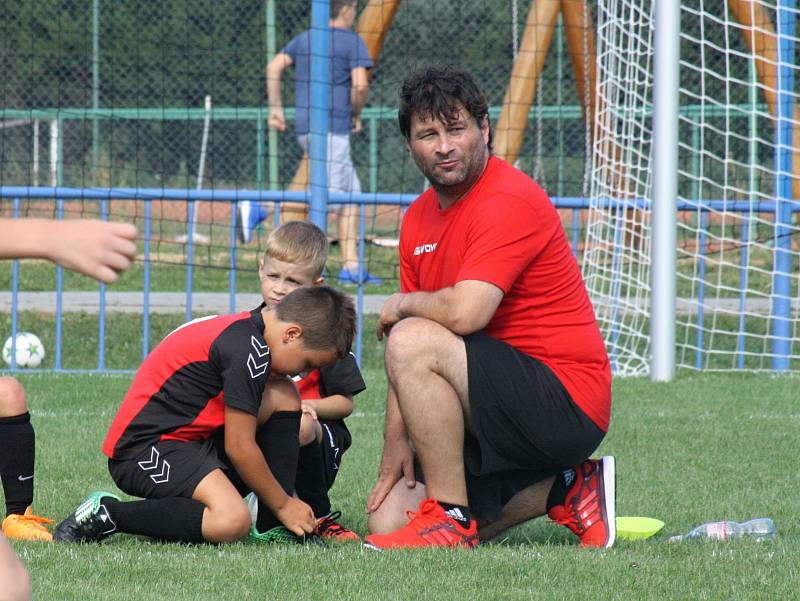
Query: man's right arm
[[358, 95], [398, 458], [275, 69]]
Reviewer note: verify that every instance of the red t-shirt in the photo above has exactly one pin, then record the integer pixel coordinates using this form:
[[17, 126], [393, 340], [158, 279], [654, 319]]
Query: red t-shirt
[[505, 231]]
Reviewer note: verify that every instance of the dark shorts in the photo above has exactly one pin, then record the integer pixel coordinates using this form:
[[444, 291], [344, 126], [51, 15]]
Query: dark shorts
[[172, 468], [525, 425], [335, 441], [318, 465]]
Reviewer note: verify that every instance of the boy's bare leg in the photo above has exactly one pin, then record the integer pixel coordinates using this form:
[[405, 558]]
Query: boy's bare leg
[[15, 583], [225, 518], [348, 237]]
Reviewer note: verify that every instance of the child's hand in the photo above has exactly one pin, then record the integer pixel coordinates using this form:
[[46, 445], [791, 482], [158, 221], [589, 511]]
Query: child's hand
[[297, 517], [308, 409]]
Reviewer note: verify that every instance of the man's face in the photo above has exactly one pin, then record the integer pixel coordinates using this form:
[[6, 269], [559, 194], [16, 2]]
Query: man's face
[[451, 155], [349, 14], [279, 278]]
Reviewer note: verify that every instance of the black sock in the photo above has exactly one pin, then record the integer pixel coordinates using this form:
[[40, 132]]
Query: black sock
[[312, 484], [173, 519], [17, 458], [561, 486], [279, 441], [459, 513]]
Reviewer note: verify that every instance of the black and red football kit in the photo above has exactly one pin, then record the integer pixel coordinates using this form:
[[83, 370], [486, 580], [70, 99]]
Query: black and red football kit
[[183, 386]]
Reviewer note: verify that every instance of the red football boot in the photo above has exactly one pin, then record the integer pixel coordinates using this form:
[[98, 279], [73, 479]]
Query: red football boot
[[428, 527], [588, 508], [329, 528]]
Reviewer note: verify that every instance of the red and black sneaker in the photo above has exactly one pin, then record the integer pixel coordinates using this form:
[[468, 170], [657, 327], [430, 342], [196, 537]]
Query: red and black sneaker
[[428, 527], [588, 508], [329, 528]]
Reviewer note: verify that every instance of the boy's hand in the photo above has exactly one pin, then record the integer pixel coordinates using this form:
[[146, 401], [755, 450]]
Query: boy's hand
[[308, 409], [276, 120], [297, 517]]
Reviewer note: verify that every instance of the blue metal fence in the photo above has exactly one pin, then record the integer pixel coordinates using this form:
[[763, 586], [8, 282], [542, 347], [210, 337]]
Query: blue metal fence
[[64, 195]]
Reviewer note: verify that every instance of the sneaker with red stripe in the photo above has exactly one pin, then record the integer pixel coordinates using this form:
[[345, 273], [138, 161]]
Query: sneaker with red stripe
[[588, 508], [428, 527]]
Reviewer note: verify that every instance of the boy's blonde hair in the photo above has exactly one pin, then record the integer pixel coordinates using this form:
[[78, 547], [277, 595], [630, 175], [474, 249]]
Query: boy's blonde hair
[[300, 243]]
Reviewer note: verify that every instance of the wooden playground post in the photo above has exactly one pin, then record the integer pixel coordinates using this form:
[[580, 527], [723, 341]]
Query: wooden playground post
[[536, 40], [577, 22], [577, 19], [374, 23], [762, 40]]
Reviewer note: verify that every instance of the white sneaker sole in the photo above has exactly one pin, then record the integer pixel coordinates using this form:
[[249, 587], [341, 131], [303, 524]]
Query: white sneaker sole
[[245, 232], [609, 495]]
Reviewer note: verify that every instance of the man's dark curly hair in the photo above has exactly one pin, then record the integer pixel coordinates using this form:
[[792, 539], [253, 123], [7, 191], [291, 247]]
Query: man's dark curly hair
[[436, 91]]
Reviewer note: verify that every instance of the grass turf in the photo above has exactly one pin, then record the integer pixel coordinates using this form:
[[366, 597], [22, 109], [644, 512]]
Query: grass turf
[[705, 447]]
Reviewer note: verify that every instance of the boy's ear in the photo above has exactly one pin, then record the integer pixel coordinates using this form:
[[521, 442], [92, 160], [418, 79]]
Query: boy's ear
[[292, 332], [260, 266], [319, 281]]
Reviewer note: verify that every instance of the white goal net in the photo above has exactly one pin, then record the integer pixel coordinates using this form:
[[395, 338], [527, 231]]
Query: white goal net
[[738, 184]]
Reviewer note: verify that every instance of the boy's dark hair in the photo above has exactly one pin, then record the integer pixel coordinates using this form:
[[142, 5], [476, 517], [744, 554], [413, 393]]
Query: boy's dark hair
[[435, 92], [338, 5], [327, 316]]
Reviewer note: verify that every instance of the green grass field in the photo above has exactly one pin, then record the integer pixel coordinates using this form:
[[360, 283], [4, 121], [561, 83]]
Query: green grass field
[[706, 447]]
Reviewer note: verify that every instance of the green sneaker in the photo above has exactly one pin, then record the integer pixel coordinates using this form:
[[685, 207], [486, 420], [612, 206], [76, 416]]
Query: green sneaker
[[90, 522], [282, 536]]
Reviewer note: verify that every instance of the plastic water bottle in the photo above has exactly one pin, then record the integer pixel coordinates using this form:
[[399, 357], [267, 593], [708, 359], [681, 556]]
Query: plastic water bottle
[[757, 529]]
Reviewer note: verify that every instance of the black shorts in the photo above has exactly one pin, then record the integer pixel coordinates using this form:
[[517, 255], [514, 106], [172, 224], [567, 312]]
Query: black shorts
[[335, 441], [525, 426], [173, 468]]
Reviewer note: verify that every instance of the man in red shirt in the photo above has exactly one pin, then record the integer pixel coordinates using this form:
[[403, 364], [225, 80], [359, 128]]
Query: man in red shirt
[[499, 385]]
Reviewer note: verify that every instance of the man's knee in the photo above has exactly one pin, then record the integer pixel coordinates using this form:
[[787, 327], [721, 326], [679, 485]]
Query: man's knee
[[391, 514], [413, 338], [12, 397], [384, 521]]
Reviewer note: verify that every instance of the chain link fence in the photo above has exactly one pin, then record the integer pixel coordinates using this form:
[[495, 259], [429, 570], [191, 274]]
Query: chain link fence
[[111, 94]]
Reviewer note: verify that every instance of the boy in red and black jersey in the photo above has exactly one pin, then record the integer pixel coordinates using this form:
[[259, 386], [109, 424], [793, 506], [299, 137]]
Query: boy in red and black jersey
[[210, 416], [294, 257]]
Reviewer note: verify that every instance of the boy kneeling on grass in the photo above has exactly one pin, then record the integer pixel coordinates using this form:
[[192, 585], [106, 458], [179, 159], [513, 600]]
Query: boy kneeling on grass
[[211, 416], [294, 257]]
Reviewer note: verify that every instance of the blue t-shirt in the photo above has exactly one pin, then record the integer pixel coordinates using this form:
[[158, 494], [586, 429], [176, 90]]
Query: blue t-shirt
[[348, 51]]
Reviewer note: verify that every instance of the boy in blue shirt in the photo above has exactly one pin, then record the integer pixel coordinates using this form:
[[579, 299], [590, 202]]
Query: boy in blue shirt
[[349, 63]]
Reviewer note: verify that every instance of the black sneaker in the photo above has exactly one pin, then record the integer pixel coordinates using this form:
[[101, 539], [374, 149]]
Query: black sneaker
[[90, 522]]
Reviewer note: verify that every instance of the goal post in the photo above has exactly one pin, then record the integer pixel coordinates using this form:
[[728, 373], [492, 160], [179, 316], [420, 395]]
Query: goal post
[[735, 238], [665, 188]]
